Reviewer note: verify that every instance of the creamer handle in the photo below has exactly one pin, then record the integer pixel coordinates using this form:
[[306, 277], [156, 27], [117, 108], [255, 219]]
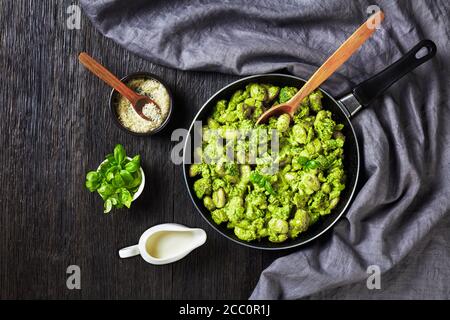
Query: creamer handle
[[129, 251]]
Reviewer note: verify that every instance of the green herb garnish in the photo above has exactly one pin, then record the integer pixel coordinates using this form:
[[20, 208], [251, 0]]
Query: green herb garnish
[[262, 181], [116, 180]]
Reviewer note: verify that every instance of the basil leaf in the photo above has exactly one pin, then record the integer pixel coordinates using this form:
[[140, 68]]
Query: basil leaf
[[256, 178], [105, 189], [126, 176], [269, 188], [103, 168], [134, 190], [302, 160], [119, 153], [110, 158], [312, 164], [92, 176], [261, 181], [109, 176], [119, 205], [135, 183], [136, 159], [91, 185], [108, 206], [111, 169], [125, 197], [132, 166], [114, 199], [118, 181]]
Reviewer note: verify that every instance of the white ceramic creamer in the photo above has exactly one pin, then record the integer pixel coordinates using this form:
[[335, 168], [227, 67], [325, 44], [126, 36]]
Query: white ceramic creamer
[[166, 243]]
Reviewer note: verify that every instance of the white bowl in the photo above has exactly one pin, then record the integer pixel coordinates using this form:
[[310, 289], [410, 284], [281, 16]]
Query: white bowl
[[141, 186]]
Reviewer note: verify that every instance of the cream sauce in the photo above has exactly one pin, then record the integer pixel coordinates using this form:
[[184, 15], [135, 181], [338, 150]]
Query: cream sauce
[[167, 244]]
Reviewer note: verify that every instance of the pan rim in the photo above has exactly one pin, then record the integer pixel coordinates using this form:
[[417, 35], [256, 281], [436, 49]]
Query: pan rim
[[288, 246]]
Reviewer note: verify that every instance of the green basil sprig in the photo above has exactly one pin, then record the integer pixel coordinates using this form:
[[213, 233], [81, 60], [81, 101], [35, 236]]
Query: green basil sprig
[[262, 181], [116, 180]]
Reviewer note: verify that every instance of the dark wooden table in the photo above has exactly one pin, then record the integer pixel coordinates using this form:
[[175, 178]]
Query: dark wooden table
[[55, 127]]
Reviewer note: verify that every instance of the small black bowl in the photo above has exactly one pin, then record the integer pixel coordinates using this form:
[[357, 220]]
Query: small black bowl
[[114, 98]]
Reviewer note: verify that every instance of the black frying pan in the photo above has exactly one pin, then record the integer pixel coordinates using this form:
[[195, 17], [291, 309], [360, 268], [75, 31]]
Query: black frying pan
[[342, 109]]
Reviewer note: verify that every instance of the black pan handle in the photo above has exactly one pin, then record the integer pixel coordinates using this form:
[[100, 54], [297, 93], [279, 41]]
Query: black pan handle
[[370, 89]]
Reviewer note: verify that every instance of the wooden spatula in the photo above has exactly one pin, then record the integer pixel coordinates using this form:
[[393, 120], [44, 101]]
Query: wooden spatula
[[338, 58]]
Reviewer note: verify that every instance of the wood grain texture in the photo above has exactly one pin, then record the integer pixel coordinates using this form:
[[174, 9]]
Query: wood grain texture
[[57, 126]]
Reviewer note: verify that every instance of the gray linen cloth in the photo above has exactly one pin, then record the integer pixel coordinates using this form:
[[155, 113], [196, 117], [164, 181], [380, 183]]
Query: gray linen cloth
[[399, 219]]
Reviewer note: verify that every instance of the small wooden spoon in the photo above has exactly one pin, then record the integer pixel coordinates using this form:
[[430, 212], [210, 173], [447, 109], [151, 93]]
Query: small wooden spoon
[[338, 58], [137, 101]]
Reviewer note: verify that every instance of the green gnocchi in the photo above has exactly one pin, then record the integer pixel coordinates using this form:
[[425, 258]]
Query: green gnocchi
[[253, 200]]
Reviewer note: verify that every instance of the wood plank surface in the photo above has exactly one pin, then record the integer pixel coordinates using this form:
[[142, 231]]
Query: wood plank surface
[[57, 126]]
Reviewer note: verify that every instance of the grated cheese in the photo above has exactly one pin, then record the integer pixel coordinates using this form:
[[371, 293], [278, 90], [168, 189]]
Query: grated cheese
[[154, 90]]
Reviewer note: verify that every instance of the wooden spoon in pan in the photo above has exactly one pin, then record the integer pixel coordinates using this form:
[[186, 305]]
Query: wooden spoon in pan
[[338, 58]]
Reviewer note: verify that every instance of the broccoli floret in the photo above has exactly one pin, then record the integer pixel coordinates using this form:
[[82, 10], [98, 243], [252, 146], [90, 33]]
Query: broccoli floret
[[277, 237], [334, 202], [259, 110], [219, 169], [313, 216], [259, 226], [332, 144]]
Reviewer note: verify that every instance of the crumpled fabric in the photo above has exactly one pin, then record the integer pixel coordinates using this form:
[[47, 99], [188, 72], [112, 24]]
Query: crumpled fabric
[[399, 219]]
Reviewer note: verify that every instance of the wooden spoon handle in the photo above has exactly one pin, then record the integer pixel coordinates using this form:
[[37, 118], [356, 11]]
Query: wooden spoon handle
[[338, 58], [104, 74]]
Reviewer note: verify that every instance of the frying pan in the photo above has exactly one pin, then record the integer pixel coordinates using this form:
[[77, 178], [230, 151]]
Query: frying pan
[[342, 109]]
